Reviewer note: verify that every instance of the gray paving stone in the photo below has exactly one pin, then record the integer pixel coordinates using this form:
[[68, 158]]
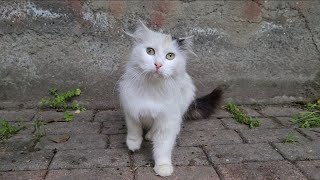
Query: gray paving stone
[[72, 128], [117, 141], [269, 135], [124, 173], [266, 123], [300, 151], [98, 158], [286, 121], [23, 115], [280, 111], [23, 175], [180, 173], [197, 138], [115, 127], [92, 141], [181, 156], [15, 161], [105, 116], [51, 116], [313, 133], [221, 154], [250, 111], [310, 168], [202, 125], [261, 170], [20, 142], [220, 113]]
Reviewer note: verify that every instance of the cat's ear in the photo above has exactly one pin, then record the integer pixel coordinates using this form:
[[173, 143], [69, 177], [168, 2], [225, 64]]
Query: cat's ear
[[140, 31], [185, 44]]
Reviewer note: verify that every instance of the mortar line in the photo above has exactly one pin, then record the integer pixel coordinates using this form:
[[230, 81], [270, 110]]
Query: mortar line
[[211, 163], [54, 154]]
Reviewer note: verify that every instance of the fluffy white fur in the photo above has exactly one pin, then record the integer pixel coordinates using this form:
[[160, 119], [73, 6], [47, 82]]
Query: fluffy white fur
[[156, 100]]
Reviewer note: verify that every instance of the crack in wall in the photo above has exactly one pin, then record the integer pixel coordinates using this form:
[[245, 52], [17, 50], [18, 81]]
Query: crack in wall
[[308, 28]]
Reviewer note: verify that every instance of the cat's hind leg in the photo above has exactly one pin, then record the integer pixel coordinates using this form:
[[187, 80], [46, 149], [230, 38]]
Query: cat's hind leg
[[134, 135]]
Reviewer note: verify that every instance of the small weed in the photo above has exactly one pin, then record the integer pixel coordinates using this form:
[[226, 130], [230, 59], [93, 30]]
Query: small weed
[[67, 116], [240, 116], [291, 138], [60, 101], [8, 130], [39, 129], [310, 118]]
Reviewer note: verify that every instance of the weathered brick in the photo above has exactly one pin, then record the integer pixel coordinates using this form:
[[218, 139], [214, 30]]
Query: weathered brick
[[180, 173], [13, 161], [23, 175], [220, 113], [269, 135], [23, 115], [280, 111], [313, 133], [221, 154], [117, 141], [250, 112], [181, 156], [124, 173], [106, 116], [92, 141], [97, 158], [202, 125], [50, 116], [261, 170], [286, 121], [72, 128], [19, 142], [196, 138], [115, 127], [310, 168], [300, 151], [265, 124]]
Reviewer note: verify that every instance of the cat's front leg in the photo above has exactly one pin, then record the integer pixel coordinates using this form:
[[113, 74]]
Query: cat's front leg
[[134, 135], [163, 142]]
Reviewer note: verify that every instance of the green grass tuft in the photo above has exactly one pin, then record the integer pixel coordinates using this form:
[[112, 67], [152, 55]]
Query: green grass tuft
[[67, 116], [291, 138], [310, 118], [60, 101], [7, 130], [240, 116]]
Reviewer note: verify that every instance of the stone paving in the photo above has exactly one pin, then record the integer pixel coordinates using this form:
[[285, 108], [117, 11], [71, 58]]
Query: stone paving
[[93, 147]]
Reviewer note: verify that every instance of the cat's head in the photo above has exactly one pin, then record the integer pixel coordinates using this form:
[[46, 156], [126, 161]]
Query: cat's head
[[158, 54]]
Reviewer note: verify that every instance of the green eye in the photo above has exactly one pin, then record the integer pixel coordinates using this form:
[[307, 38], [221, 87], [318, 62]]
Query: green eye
[[150, 51], [170, 56]]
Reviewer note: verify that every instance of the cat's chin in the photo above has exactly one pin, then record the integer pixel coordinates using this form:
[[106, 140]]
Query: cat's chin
[[157, 75]]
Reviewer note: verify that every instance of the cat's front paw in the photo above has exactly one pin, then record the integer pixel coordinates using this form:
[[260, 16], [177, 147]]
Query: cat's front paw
[[134, 143], [163, 169]]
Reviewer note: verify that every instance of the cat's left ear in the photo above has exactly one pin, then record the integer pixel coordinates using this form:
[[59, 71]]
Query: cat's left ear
[[185, 44]]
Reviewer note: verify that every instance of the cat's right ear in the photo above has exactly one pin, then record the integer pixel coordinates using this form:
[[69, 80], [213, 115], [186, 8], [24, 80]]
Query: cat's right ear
[[140, 31]]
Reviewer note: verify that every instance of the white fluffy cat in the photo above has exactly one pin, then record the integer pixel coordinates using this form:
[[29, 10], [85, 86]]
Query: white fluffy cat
[[156, 94]]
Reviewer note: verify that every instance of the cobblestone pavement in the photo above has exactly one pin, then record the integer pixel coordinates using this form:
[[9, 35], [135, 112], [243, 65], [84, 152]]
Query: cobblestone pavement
[[93, 147]]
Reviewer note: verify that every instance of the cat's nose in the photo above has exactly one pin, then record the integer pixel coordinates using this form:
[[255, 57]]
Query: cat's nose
[[158, 65]]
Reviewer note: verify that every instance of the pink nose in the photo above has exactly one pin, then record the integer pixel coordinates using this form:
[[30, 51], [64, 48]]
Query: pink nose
[[158, 65]]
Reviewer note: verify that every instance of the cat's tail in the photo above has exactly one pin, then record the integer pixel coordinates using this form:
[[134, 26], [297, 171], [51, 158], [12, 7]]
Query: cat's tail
[[203, 107]]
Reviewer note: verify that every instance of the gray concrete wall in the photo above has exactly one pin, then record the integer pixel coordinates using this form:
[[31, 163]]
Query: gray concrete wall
[[268, 51]]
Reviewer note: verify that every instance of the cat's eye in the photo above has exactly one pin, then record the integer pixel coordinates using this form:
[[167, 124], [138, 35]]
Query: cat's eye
[[150, 51], [170, 56]]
